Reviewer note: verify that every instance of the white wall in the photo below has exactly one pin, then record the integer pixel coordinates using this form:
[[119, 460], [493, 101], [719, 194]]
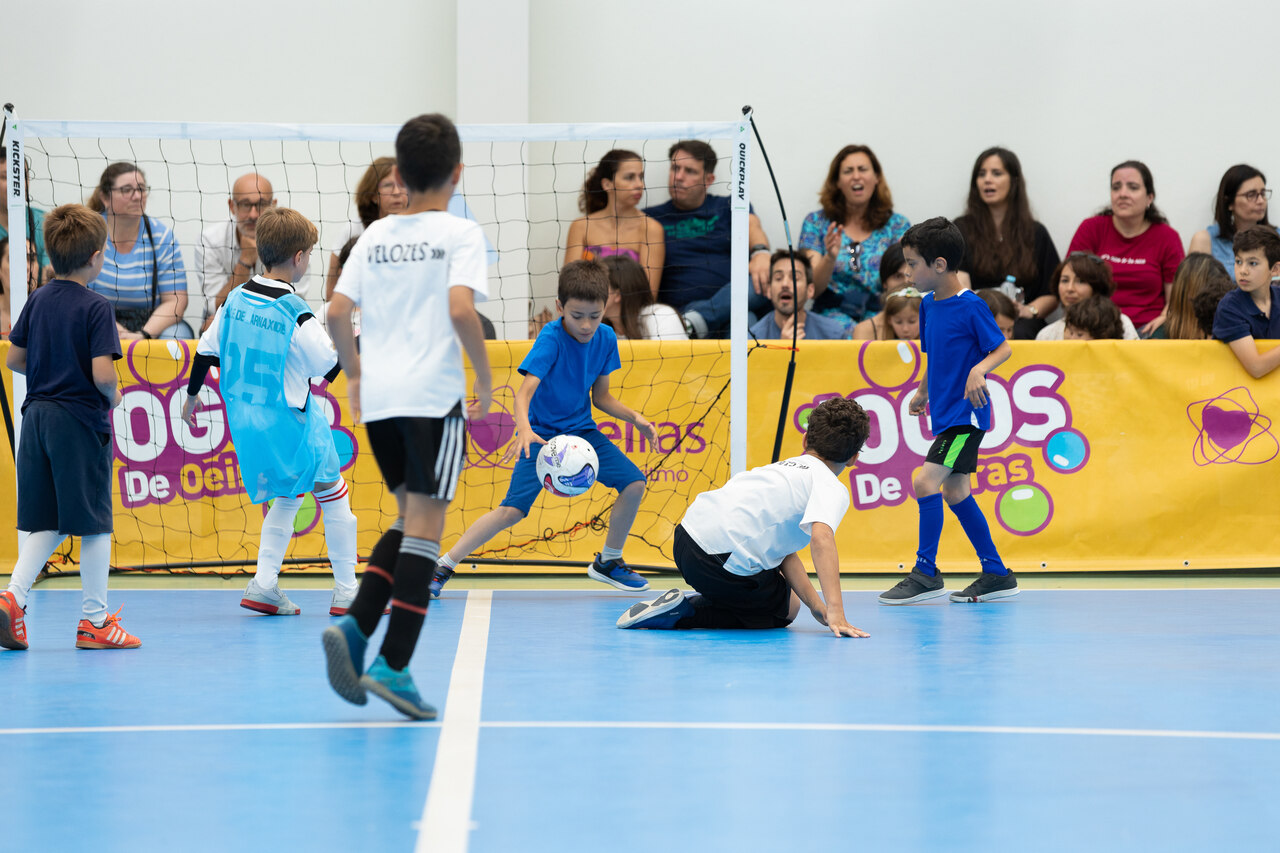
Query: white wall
[[1073, 87]]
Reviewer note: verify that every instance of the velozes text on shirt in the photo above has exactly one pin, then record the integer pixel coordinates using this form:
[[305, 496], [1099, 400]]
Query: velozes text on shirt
[[399, 253]]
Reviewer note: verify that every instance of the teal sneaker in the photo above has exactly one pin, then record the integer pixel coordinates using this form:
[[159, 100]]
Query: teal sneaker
[[344, 650], [397, 688]]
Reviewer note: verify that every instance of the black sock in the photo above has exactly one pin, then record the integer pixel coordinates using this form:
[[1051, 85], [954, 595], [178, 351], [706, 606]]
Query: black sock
[[409, 599], [375, 583]]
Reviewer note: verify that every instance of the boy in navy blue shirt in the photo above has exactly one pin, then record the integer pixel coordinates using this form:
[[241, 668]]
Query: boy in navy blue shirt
[[964, 344], [1248, 313], [65, 341], [564, 373]]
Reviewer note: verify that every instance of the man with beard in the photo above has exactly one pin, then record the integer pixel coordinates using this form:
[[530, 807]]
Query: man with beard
[[784, 284]]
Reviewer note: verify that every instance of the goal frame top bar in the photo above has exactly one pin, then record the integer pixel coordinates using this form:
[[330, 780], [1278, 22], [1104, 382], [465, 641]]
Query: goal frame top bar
[[375, 132]]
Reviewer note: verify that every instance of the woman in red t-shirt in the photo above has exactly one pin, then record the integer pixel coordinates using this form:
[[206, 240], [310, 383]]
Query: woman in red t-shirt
[[1138, 243]]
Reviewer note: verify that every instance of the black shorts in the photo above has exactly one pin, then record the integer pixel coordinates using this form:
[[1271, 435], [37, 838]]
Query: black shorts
[[957, 449], [761, 600], [425, 455], [64, 473]]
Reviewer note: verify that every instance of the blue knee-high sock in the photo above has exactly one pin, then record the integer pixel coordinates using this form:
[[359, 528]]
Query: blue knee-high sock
[[979, 533], [930, 533]]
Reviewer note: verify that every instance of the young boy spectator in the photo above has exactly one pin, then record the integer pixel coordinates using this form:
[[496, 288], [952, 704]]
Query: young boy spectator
[[1249, 313], [415, 275], [738, 545], [1094, 319], [65, 341], [790, 291], [963, 344], [268, 345], [564, 373], [1206, 302]]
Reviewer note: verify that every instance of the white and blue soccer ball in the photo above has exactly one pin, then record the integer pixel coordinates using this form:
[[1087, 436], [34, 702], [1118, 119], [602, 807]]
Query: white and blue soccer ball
[[567, 465]]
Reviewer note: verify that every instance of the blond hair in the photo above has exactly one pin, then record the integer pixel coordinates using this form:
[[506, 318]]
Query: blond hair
[[282, 233], [72, 233]]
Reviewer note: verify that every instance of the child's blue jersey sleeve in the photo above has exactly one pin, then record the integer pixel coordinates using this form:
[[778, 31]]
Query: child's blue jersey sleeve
[[567, 369]]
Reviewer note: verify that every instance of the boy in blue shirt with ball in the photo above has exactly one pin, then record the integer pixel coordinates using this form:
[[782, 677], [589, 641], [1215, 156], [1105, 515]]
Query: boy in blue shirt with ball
[[564, 373], [964, 344]]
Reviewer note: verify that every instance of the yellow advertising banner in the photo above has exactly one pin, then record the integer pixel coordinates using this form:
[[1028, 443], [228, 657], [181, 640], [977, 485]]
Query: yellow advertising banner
[[1102, 456]]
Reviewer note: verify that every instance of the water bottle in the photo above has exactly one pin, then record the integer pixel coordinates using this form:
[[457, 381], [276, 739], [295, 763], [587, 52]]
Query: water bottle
[[1010, 289]]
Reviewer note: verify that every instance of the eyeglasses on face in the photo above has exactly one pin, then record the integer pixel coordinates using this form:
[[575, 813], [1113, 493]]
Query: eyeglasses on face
[[244, 205], [1254, 195], [131, 190]]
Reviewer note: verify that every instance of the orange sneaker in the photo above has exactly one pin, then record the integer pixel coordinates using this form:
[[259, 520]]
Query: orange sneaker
[[13, 627], [109, 636]]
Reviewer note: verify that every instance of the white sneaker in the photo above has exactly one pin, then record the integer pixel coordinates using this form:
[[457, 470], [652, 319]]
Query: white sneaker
[[341, 601], [272, 601]]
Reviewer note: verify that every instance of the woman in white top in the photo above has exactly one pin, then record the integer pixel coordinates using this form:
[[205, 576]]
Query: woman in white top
[[631, 310], [1078, 277], [377, 195]]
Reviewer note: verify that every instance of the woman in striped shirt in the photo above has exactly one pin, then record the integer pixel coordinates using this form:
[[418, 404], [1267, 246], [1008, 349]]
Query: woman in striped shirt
[[142, 274]]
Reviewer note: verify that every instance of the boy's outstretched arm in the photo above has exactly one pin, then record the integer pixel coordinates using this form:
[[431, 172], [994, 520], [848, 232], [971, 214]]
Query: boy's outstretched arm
[[525, 436], [344, 341], [976, 388], [826, 562], [797, 577], [611, 405], [466, 324], [1258, 364]]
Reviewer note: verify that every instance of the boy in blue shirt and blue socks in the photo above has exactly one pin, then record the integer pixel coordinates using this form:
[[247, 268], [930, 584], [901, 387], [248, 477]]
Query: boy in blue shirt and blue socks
[[564, 373], [963, 344]]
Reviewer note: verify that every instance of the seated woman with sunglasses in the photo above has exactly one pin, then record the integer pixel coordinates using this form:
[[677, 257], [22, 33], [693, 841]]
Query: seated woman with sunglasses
[[142, 273], [847, 237], [1241, 202]]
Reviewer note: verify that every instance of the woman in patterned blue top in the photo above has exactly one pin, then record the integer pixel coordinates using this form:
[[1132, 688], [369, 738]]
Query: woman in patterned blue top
[[142, 274], [847, 237]]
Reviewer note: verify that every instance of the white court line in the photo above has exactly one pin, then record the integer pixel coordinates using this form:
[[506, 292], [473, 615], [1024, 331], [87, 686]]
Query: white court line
[[670, 725], [445, 826]]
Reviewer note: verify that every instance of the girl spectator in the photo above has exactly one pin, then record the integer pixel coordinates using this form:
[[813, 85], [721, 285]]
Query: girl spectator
[[847, 237], [378, 194], [631, 310], [1133, 236], [1094, 319], [614, 224], [1241, 202], [142, 273], [1002, 239], [893, 276], [899, 321], [1077, 278], [1197, 272], [1002, 308]]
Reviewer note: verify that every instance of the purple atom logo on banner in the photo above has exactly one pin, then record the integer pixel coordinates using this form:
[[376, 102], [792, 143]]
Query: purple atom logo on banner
[[1230, 429]]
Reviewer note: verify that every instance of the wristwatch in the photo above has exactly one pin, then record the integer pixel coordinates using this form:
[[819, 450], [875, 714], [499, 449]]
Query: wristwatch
[[1035, 312], [757, 248], [146, 336]]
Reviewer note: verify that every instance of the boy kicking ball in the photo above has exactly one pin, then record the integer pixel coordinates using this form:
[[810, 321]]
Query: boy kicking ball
[[737, 545], [964, 344], [65, 341], [268, 345], [564, 373]]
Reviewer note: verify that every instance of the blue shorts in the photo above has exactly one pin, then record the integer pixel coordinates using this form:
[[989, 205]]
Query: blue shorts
[[64, 473], [616, 470]]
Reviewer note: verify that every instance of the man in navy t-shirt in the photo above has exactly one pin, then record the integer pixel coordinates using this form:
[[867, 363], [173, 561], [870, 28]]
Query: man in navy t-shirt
[[695, 275]]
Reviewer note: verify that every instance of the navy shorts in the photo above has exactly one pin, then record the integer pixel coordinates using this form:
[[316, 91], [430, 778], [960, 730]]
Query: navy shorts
[[64, 473], [425, 455], [616, 470], [957, 449]]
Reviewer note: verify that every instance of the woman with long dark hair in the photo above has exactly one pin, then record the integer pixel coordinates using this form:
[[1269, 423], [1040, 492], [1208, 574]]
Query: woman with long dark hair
[[614, 224], [1135, 239], [142, 273], [631, 310], [1241, 202], [846, 238], [1002, 238]]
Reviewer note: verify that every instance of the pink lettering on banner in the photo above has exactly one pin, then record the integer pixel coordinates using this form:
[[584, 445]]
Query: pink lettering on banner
[[164, 459], [1028, 413]]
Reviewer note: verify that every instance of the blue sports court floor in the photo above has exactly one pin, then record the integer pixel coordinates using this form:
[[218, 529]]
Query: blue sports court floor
[[1061, 720]]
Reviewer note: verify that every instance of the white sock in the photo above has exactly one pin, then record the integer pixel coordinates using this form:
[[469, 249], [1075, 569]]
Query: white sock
[[277, 530], [34, 551], [95, 565], [340, 535], [447, 562], [607, 554]]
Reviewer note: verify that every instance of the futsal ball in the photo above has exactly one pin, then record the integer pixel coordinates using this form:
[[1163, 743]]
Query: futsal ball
[[567, 465]]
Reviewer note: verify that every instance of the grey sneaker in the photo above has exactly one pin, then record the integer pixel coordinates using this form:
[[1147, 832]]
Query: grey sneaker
[[914, 588], [341, 601], [272, 601], [663, 612], [988, 587]]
